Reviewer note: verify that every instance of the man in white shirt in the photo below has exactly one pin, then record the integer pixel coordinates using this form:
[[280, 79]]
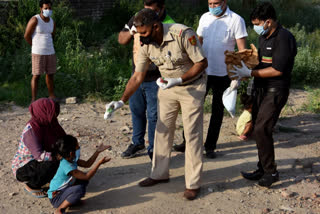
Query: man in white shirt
[[219, 30], [39, 34]]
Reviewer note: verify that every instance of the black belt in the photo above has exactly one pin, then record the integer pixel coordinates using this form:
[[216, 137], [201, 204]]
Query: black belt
[[272, 90]]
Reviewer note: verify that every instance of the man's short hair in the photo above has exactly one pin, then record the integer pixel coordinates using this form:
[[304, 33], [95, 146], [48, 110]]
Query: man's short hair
[[42, 2], [263, 12], [160, 3], [146, 17]]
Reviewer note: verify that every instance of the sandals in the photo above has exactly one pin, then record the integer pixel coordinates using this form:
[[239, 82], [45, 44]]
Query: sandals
[[33, 193]]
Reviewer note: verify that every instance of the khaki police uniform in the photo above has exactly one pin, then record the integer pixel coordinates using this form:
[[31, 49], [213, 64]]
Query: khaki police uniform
[[178, 52]]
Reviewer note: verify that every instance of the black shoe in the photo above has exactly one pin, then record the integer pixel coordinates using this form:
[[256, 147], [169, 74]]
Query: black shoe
[[148, 182], [132, 151], [180, 147], [211, 154], [254, 176], [268, 179]]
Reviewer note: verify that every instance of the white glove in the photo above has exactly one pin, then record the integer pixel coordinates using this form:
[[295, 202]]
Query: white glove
[[241, 72], [133, 29], [166, 83], [161, 82], [111, 107], [234, 85]]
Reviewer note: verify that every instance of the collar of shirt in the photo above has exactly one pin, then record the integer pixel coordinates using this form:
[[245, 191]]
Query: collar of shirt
[[166, 34], [275, 33]]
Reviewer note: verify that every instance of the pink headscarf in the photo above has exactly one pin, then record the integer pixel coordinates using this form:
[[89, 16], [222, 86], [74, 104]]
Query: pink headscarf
[[44, 122]]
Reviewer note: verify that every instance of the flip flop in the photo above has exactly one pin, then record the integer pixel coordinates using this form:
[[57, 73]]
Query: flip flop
[[35, 191]]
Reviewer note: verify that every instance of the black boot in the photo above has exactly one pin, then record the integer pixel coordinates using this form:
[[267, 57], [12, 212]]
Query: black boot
[[211, 154], [254, 176], [132, 151], [268, 179]]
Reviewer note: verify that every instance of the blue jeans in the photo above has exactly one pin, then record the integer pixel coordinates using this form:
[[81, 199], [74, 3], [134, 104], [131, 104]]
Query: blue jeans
[[72, 193], [143, 106]]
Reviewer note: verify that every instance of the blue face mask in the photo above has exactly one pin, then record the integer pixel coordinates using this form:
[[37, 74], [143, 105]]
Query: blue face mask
[[260, 29], [47, 13], [216, 11], [77, 155]]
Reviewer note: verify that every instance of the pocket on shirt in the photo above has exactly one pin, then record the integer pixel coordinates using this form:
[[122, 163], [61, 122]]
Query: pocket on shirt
[[156, 60], [224, 36]]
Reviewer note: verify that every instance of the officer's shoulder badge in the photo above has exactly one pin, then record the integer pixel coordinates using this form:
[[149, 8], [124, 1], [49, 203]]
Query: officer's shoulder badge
[[193, 40]]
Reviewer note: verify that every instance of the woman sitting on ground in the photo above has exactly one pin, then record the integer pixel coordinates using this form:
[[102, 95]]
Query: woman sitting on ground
[[34, 164]]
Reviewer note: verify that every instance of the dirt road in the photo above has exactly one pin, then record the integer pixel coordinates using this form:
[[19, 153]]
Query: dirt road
[[114, 189]]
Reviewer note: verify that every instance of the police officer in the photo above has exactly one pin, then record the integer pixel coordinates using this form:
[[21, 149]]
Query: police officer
[[277, 50], [143, 103], [176, 50]]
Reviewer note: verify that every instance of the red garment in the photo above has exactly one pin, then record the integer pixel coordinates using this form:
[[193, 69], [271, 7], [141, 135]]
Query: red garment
[[44, 122]]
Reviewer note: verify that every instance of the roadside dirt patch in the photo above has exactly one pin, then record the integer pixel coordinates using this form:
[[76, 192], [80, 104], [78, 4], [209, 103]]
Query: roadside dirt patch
[[114, 189]]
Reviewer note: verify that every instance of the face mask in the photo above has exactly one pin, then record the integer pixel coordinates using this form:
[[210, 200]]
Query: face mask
[[47, 13], [216, 11], [77, 155], [260, 29], [146, 40]]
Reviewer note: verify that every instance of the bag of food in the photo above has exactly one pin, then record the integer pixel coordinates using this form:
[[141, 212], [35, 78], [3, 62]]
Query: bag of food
[[229, 100], [248, 56]]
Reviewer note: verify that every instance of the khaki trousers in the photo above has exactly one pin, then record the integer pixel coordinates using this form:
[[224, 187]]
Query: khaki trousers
[[190, 100]]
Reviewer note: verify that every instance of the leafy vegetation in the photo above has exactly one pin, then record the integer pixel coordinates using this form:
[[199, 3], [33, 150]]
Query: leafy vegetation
[[92, 65], [313, 104]]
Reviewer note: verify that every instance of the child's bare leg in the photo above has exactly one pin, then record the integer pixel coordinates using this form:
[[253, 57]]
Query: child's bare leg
[[248, 129], [64, 205]]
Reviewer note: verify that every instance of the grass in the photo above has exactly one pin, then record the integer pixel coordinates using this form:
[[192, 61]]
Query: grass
[[93, 66]]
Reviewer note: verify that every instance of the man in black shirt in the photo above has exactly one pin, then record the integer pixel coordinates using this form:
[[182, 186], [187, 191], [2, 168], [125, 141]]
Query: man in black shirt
[[277, 50]]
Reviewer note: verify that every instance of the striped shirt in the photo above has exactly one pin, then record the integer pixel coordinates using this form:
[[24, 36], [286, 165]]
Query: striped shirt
[[29, 149]]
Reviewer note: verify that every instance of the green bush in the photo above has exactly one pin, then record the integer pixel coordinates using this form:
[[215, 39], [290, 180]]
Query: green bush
[[91, 63], [100, 71], [306, 70], [313, 104], [11, 34]]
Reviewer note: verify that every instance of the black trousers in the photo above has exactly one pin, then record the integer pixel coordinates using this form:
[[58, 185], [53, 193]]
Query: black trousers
[[218, 86], [267, 106], [36, 174]]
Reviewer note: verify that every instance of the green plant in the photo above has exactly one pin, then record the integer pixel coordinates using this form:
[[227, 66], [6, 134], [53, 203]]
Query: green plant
[[313, 104], [91, 63]]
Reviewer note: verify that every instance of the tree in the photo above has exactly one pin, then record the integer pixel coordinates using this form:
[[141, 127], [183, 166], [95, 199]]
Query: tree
[[248, 3]]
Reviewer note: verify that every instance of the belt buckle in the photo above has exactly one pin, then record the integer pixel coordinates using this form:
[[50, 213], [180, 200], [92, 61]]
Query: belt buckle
[[272, 90]]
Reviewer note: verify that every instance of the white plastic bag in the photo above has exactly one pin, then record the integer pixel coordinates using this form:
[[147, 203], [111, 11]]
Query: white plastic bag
[[229, 100]]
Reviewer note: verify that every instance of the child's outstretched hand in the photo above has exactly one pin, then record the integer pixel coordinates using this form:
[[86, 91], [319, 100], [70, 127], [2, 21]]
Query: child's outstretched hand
[[104, 160], [103, 147]]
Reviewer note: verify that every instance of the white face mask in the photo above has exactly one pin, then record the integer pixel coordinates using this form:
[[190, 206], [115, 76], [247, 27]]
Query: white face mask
[[260, 29], [47, 13]]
